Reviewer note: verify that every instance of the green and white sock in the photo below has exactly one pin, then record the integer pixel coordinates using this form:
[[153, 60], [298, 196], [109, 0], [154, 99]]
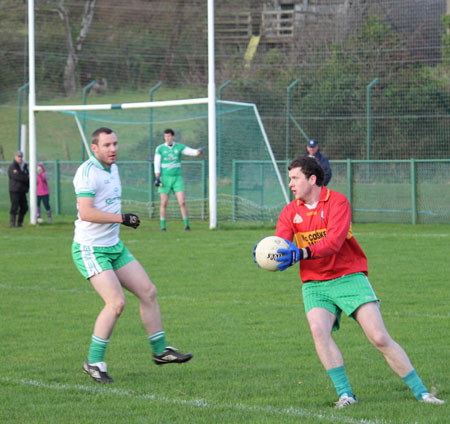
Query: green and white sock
[[97, 349], [163, 223], [186, 222], [415, 384], [340, 381], [158, 342]]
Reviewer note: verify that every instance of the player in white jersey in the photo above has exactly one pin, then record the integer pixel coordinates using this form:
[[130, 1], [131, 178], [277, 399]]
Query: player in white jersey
[[103, 259]]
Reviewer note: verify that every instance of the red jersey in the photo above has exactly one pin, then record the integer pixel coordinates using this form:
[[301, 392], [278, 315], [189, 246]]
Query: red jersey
[[327, 230]]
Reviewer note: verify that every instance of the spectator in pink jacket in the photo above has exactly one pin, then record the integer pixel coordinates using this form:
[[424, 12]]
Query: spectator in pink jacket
[[43, 193]]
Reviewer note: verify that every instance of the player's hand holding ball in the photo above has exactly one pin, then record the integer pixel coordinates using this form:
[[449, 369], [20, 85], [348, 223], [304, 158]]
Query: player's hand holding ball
[[277, 254], [254, 253], [130, 220], [288, 256]]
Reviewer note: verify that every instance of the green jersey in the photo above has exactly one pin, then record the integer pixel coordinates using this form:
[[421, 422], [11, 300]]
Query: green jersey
[[170, 158]]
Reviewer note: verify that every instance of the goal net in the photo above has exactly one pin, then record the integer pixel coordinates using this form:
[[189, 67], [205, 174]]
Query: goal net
[[250, 183]]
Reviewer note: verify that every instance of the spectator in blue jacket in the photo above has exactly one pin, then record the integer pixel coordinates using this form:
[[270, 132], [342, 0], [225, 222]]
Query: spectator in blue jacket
[[313, 151]]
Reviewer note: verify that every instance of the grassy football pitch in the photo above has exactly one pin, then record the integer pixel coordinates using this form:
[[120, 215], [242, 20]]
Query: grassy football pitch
[[254, 360]]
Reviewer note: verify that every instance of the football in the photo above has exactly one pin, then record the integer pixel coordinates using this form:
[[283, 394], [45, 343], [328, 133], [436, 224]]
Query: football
[[266, 252]]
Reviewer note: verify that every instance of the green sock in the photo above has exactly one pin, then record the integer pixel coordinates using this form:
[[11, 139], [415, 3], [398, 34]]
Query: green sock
[[163, 223], [158, 342], [415, 384], [186, 222], [340, 381], [97, 349]]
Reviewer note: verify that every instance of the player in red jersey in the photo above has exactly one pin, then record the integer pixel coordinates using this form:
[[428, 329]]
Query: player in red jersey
[[334, 276]]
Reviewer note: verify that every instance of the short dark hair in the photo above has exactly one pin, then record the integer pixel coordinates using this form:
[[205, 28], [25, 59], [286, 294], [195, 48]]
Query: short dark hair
[[169, 131], [309, 166], [102, 130]]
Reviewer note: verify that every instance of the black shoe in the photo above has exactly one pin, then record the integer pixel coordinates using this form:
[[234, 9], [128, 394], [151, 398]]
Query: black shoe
[[187, 228], [171, 355], [97, 372], [12, 222], [163, 229]]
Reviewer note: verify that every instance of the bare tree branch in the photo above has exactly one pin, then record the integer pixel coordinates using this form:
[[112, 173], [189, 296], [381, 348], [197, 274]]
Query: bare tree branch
[[70, 80]]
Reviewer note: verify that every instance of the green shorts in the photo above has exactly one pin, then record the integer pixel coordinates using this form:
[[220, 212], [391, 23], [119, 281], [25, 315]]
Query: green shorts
[[345, 293], [169, 184], [94, 260]]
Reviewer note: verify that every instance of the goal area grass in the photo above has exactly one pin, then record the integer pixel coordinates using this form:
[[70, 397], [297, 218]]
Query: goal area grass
[[254, 359]]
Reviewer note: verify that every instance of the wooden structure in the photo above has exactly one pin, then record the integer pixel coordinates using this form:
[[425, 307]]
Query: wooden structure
[[275, 26]]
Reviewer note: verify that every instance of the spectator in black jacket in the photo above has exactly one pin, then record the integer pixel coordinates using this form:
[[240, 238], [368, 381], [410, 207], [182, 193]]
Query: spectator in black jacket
[[313, 150], [19, 183]]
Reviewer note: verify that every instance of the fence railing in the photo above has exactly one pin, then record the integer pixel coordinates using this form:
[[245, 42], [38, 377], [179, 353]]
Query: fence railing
[[411, 191], [403, 191]]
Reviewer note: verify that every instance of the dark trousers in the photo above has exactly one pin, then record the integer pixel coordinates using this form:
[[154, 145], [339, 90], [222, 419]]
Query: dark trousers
[[19, 203], [46, 200]]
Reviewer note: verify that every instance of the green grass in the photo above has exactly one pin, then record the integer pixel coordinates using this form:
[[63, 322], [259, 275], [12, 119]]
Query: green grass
[[254, 360]]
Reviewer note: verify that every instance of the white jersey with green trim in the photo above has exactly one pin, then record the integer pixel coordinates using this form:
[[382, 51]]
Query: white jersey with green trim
[[92, 179]]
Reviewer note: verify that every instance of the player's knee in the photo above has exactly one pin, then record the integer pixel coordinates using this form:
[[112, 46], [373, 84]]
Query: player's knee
[[149, 293], [117, 306], [381, 340], [318, 331]]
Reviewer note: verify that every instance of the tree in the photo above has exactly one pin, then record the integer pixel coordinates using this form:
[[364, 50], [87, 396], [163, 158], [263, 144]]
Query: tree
[[73, 49]]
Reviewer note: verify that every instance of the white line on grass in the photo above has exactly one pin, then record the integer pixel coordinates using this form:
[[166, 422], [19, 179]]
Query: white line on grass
[[402, 235], [199, 403], [191, 299], [43, 289]]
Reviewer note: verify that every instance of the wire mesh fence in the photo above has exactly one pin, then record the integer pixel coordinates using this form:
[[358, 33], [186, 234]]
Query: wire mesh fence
[[371, 77], [368, 80], [401, 191]]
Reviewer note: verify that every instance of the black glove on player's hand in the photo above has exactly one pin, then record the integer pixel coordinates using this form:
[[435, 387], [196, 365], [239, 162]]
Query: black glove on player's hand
[[130, 220]]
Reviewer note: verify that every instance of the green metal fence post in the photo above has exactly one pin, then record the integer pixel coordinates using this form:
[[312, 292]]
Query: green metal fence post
[[350, 183], [288, 117], [368, 111], [150, 113], [150, 149], [261, 190], [86, 90], [234, 191], [219, 127], [204, 189], [413, 192], [57, 188], [19, 113], [151, 191]]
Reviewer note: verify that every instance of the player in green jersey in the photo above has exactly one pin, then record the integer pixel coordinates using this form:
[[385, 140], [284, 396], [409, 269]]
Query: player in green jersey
[[168, 174]]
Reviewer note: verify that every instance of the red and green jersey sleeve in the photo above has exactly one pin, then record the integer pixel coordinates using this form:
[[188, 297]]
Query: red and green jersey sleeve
[[326, 230]]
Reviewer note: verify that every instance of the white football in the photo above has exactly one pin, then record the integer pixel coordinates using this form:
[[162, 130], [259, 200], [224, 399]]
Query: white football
[[266, 252]]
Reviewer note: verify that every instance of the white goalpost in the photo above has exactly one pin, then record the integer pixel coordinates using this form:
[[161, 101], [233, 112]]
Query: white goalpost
[[210, 101]]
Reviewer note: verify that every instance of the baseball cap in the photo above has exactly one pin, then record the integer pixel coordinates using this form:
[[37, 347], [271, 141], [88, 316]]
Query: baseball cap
[[312, 143], [18, 153]]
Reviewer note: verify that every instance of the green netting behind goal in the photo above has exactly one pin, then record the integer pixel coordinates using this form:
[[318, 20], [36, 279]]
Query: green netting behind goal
[[247, 184]]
